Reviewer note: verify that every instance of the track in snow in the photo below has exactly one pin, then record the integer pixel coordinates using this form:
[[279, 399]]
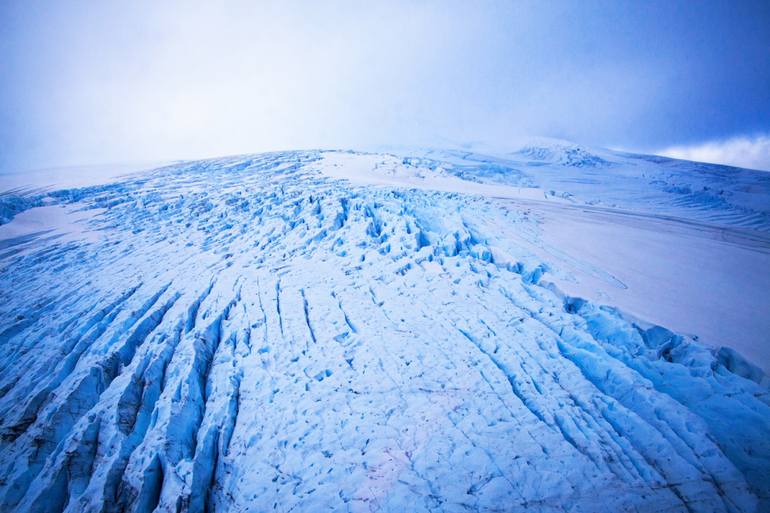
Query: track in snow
[[248, 334]]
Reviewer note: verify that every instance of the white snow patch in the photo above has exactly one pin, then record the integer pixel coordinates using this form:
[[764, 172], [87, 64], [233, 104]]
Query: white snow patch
[[61, 222], [388, 170], [73, 176], [692, 278]]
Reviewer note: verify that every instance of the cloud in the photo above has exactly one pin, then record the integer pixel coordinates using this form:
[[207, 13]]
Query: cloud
[[93, 82], [748, 152]]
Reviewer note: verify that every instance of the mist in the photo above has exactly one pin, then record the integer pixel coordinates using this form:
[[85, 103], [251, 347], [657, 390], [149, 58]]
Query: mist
[[88, 83]]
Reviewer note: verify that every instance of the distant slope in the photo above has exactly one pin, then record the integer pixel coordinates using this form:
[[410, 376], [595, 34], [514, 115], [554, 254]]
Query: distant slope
[[618, 229], [308, 331]]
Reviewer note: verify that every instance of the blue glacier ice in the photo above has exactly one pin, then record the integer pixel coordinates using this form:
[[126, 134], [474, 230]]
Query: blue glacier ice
[[408, 330]]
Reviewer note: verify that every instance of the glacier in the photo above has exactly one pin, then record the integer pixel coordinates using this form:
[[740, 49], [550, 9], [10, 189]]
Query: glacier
[[553, 329]]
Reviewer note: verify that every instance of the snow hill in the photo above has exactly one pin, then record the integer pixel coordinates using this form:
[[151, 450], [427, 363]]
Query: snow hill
[[550, 329]]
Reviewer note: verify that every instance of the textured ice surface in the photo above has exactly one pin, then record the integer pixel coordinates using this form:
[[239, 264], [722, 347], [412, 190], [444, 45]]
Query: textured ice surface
[[258, 334]]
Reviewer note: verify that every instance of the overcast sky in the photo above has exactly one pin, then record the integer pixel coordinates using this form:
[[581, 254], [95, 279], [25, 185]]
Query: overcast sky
[[99, 82]]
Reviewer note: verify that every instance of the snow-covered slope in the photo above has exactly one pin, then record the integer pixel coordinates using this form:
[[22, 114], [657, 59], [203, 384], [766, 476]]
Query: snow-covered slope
[[310, 331]]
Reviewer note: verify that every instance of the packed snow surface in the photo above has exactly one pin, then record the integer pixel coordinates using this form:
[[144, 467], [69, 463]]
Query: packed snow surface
[[551, 329]]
